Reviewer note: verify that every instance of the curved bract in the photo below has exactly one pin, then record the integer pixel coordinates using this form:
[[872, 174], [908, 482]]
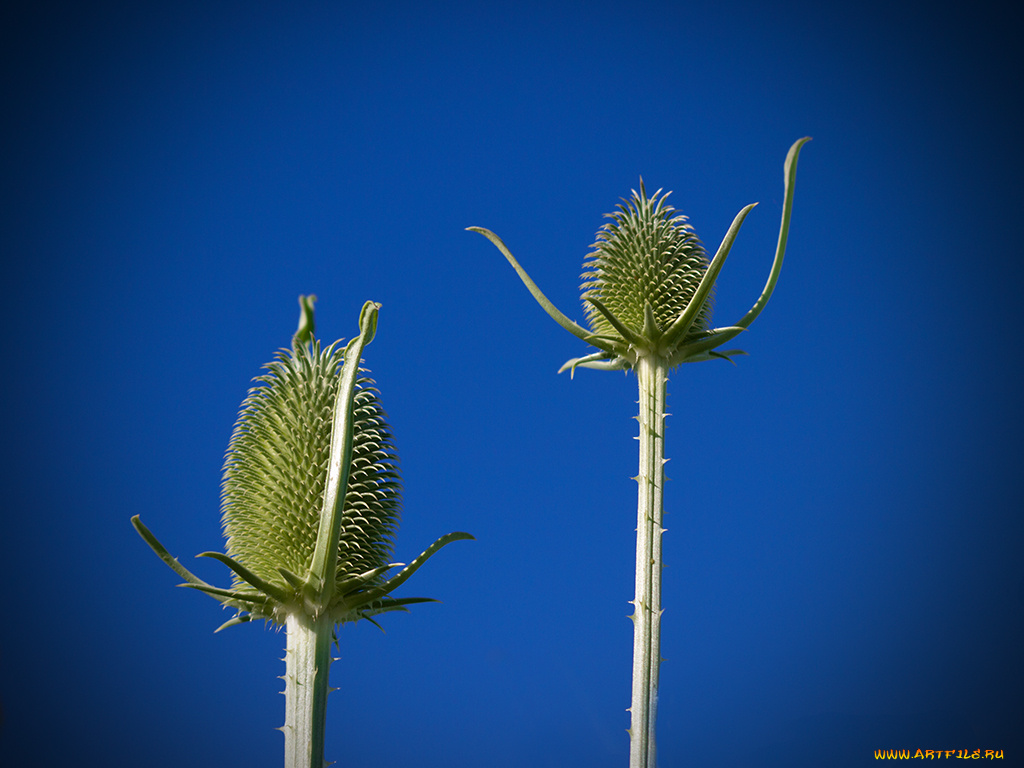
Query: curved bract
[[648, 288], [311, 493]]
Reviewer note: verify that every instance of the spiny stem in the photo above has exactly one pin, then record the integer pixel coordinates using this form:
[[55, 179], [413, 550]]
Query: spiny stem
[[307, 667], [652, 378]]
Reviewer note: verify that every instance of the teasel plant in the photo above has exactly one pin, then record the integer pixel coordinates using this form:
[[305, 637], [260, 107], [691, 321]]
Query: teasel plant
[[647, 294], [310, 504]]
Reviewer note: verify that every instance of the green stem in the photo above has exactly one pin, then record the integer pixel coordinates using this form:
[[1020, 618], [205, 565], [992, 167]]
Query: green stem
[[307, 665], [652, 377]]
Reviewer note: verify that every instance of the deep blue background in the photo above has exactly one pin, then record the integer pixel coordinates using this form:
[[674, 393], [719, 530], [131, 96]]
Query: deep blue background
[[845, 533]]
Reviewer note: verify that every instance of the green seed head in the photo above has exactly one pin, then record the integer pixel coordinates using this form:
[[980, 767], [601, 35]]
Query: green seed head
[[312, 493], [644, 256], [276, 467], [648, 286]]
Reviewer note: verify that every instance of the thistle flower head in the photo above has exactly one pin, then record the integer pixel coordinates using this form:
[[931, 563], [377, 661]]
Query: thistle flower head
[[275, 471], [311, 492], [645, 256], [648, 285]]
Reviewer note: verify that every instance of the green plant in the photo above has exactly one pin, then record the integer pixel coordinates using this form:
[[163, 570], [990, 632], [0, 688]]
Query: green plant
[[310, 503], [647, 294]]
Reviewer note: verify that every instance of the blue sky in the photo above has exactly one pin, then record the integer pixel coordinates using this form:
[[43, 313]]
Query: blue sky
[[844, 518]]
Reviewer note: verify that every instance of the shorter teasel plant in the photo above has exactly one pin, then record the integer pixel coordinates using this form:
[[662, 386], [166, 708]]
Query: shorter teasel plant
[[647, 295], [310, 504]]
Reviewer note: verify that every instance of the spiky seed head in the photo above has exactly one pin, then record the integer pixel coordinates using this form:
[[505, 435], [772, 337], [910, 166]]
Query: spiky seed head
[[276, 469], [645, 254]]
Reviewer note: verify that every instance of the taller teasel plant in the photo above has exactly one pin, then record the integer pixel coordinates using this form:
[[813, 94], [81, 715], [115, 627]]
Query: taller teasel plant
[[647, 294], [310, 503]]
